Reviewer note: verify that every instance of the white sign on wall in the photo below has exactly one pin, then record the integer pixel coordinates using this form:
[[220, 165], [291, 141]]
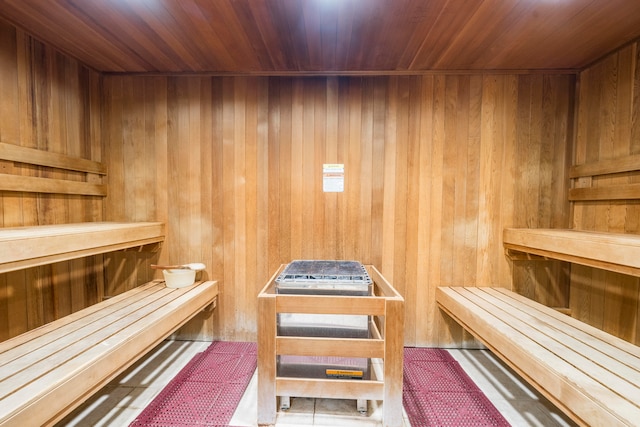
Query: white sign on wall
[[333, 177]]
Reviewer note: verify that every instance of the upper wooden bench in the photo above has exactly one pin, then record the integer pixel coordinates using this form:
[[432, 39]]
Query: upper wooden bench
[[592, 376], [24, 247], [609, 251], [45, 373]]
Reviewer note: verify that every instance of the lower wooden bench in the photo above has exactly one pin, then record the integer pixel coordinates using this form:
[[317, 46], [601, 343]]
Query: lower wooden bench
[[47, 372], [592, 376]]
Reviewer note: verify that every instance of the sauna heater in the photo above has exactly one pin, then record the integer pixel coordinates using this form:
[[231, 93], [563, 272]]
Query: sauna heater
[[339, 278]]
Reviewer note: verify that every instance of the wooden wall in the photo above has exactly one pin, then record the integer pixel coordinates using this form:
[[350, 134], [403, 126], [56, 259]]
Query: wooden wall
[[608, 127], [52, 103], [435, 167]]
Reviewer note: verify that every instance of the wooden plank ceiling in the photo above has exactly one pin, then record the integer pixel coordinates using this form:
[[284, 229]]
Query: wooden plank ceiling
[[328, 36]]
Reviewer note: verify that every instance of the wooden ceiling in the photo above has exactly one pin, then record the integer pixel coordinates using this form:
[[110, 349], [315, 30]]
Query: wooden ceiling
[[328, 36]]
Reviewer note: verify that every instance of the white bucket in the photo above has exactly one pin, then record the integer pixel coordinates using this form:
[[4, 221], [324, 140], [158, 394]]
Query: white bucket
[[179, 278]]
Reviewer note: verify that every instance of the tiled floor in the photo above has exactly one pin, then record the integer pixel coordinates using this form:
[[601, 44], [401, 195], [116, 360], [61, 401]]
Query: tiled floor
[[120, 402], [520, 404]]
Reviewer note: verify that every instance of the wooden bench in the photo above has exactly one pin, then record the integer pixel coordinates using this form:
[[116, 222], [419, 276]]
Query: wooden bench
[[609, 251], [25, 247], [592, 376], [47, 372]]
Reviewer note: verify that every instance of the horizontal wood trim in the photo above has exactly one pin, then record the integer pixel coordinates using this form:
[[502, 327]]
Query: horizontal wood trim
[[609, 251], [37, 157], [606, 167], [350, 73], [618, 192], [31, 184], [330, 388], [333, 347], [24, 247], [317, 304]]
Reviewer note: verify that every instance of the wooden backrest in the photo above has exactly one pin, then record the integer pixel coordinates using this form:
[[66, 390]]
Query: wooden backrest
[[91, 171]]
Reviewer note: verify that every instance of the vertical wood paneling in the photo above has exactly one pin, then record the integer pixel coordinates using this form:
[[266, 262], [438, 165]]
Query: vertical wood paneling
[[425, 316], [229, 301], [242, 106], [436, 204], [233, 165], [412, 208], [364, 108], [332, 202], [279, 146], [544, 160], [432, 175], [216, 163], [52, 103], [607, 127], [13, 315], [389, 171]]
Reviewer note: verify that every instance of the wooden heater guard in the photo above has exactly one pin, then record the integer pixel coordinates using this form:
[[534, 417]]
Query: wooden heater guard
[[386, 308]]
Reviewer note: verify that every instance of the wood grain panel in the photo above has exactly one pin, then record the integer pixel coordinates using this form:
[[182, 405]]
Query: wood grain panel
[[607, 132], [348, 36], [49, 103], [545, 161], [434, 168]]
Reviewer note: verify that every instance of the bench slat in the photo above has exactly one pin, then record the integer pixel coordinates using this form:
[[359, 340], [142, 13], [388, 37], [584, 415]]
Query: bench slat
[[607, 344], [509, 344], [552, 334], [528, 351], [589, 378], [15, 343], [89, 334], [69, 382], [56, 337]]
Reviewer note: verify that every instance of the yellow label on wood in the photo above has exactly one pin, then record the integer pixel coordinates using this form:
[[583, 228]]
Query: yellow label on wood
[[343, 373]]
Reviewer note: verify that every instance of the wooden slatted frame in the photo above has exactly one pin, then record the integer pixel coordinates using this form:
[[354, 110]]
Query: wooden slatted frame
[[386, 307], [31, 156], [584, 175], [592, 376], [47, 372]]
